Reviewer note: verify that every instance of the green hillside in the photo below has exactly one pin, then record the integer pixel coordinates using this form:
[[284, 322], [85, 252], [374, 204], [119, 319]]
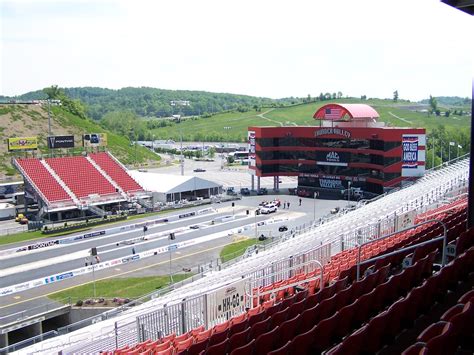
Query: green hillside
[[153, 102], [233, 126], [32, 120]]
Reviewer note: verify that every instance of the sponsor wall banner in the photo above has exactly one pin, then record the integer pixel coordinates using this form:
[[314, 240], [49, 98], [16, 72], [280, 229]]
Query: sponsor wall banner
[[226, 301], [55, 142], [332, 158], [413, 155], [252, 151], [331, 183], [94, 140], [22, 143]]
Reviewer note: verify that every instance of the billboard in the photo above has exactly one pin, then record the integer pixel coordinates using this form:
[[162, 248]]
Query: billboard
[[55, 142], [22, 143], [94, 140], [413, 155]]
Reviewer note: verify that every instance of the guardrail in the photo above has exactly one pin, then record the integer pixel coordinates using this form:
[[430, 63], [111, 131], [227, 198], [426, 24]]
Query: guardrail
[[13, 230], [28, 342], [443, 258], [31, 312]]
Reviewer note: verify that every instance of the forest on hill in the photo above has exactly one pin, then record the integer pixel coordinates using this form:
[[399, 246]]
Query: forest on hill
[[152, 102]]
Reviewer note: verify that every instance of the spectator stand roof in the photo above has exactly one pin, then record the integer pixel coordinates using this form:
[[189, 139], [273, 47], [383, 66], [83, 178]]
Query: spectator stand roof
[[167, 184], [346, 112]]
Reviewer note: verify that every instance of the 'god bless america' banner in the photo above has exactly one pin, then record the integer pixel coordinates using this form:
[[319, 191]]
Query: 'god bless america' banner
[[413, 154]]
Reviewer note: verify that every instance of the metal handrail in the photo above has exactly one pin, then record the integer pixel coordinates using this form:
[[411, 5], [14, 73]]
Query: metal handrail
[[24, 314], [443, 261], [275, 290], [27, 342]]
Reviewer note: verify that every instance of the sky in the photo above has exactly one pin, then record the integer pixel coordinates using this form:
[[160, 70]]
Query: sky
[[261, 48]]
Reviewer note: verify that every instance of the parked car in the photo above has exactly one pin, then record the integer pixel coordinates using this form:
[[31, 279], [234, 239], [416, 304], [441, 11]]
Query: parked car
[[245, 191], [282, 228], [231, 192], [194, 226], [269, 208], [262, 191], [199, 170], [335, 210]]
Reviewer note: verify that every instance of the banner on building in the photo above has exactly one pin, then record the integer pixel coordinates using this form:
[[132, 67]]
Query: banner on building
[[252, 152], [94, 140], [22, 143], [332, 158], [413, 155], [55, 142]]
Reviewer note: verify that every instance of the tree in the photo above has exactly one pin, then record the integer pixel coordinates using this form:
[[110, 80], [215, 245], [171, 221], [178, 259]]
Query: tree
[[334, 95], [433, 104], [53, 92], [339, 95], [395, 96], [211, 152], [327, 96], [321, 97], [363, 97]]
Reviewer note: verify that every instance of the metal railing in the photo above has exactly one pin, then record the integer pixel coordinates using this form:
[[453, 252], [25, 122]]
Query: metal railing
[[28, 342], [443, 261], [31, 312]]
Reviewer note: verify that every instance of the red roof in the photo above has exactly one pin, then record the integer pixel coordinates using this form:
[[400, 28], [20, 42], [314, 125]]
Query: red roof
[[338, 111]]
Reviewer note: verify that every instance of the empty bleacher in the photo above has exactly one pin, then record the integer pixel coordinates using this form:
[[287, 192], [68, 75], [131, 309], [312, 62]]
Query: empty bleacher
[[43, 180], [376, 314], [340, 233], [81, 176], [116, 172]]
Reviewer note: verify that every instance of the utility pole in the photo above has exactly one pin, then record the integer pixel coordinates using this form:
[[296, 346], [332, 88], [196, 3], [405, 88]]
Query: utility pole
[[349, 194], [49, 117], [182, 157], [314, 205], [170, 238]]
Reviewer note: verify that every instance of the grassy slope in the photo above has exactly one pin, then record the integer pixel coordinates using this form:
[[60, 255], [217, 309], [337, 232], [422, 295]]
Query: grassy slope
[[118, 145], [302, 115], [28, 120], [129, 287], [236, 249]]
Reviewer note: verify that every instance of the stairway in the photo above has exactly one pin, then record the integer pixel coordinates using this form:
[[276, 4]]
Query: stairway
[[104, 174], [60, 182]]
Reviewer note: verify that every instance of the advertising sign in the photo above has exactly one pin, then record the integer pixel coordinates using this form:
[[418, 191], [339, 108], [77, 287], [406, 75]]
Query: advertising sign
[[94, 140], [226, 301], [332, 131], [252, 152], [413, 155], [332, 158], [55, 142], [22, 143], [331, 183]]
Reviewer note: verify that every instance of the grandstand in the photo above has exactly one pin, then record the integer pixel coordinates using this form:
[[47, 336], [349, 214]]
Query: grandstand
[[299, 290], [77, 182]]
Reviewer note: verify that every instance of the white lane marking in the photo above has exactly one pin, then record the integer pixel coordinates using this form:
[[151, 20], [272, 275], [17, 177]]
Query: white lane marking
[[84, 253], [105, 236]]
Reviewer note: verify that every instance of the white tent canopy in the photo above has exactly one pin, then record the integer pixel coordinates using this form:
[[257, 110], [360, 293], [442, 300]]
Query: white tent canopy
[[164, 184]]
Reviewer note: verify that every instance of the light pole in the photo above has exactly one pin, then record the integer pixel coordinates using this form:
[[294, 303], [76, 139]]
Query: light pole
[[93, 277], [314, 205], [171, 237], [349, 193], [449, 154], [459, 146], [49, 117], [256, 231]]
